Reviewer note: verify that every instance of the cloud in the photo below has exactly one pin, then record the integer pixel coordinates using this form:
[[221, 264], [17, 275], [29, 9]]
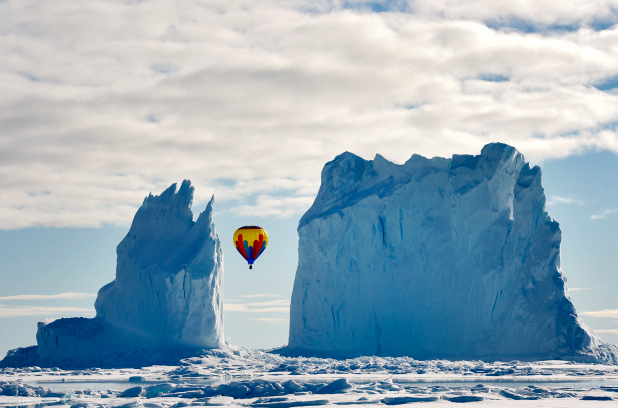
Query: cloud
[[580, 289], [17, 311], [271, 306], [613, 313], [554, 199], [603, 214], [98, 109], [612, 331], [261, 295], [547, 15], [268, 206], [273, 320], [67, 295]]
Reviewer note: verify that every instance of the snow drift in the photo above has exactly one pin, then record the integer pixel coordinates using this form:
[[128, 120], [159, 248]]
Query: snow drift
[[167, 294], [435, 258]]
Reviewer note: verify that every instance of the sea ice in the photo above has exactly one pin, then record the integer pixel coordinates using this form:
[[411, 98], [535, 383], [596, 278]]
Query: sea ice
[[240, 377]]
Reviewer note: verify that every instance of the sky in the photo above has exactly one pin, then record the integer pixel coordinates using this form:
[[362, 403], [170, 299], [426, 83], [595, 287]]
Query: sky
[[103, 102]]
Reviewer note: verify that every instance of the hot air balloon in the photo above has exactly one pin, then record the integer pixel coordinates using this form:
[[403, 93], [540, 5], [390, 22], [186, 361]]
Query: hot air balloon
[[250, 241]]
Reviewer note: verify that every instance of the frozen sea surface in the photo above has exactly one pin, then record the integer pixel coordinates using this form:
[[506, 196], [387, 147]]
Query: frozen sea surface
[[236, 376]]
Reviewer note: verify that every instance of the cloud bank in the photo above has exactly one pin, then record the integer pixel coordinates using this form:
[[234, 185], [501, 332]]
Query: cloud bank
[[102, 102], [602, 313], [66, 296], [257, 307], [612, 331], [19, 311]]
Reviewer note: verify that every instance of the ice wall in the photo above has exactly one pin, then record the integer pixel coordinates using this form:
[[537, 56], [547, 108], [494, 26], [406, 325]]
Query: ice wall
[[167, 293], [435, 258]]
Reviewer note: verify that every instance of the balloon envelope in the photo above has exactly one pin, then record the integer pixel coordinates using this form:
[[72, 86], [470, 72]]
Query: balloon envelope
[[250, 241]]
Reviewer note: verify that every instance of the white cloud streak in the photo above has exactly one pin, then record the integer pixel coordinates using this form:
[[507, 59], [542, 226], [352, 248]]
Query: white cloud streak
[[261, 295], [269, 320], [17, 311], [612, 331], [603, 214], [580, 289], [554, 199], [613, 313], [102, 102], [259, 307], [66, 296]]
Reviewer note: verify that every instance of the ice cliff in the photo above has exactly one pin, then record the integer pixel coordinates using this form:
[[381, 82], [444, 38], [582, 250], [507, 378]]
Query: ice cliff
[[435, 258], [167, 294]]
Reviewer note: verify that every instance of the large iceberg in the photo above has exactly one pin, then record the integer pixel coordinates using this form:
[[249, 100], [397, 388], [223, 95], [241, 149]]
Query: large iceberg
[[166, 299], [435, 258]]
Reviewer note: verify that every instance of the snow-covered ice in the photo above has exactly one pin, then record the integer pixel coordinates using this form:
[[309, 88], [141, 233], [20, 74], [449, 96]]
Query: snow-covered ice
[[234, 376], [166, 299], [435, 258]]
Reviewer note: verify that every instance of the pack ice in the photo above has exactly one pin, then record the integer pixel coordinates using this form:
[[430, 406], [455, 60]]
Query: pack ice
[[167, 293], [435, 258]]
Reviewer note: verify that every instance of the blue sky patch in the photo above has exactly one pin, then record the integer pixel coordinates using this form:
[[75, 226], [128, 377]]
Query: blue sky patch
[[378, 6], [513, 23], [530, 26], [605, 22], [164, 68], [613, 125], [494, 78], [562, 28], [226, 182], [32, 78], [607, 84]]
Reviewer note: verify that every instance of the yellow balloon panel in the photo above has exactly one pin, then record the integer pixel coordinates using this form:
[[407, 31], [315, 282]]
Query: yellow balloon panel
[[250, 241]]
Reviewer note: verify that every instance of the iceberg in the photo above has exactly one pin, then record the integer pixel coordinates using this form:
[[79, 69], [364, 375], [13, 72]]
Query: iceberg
[[169, 276], [165, 302], [435, 259]]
